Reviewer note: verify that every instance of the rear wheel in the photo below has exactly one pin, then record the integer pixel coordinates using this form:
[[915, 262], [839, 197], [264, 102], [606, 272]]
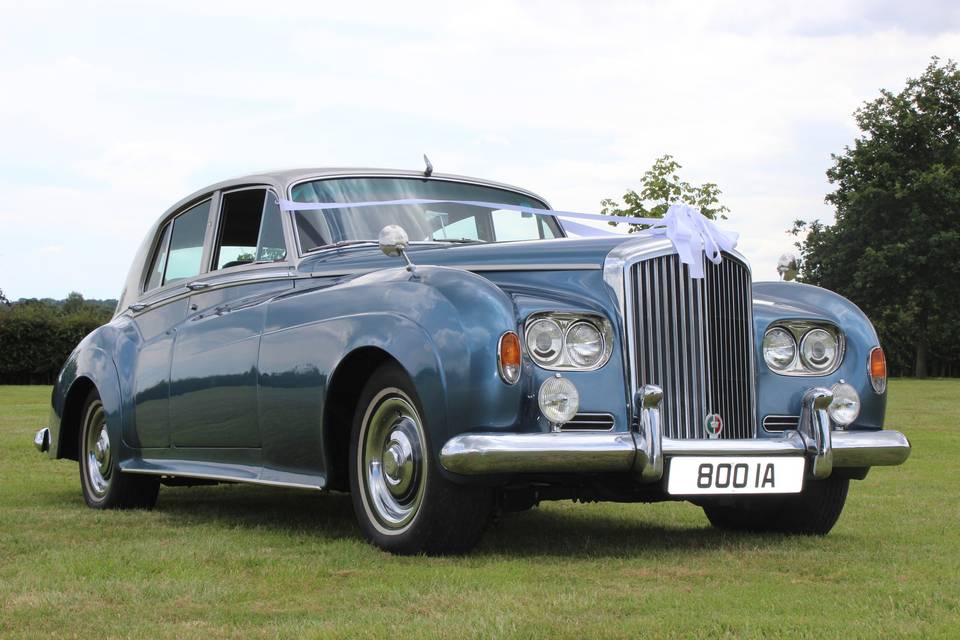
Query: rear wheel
[[104, 485], [403, 502], [812, 512]]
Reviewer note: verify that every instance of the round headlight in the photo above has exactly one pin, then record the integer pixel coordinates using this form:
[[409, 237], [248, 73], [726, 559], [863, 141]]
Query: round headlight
[[584, 344], [779, 348], [818, 350], [558, 399], [545, 340], [846, 404]]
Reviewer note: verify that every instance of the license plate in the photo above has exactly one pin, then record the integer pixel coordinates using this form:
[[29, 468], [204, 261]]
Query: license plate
[[729, 475]]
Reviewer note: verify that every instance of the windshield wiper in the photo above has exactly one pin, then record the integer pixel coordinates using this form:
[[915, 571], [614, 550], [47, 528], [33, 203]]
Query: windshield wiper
[[341, 243], [461, 240]]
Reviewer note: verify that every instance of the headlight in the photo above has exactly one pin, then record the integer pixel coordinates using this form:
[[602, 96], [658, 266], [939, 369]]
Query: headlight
[[558, 400], [545, 341], [779, 348], [584, 344], [818, 350], [803, 348], [846, 404], [565, 341]]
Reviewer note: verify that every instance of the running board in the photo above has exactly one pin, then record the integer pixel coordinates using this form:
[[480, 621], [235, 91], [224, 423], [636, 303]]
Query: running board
[[223, 472]]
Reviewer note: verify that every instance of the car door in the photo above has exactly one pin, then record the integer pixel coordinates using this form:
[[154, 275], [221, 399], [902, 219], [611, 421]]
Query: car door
[[161, 307], [213, 378]]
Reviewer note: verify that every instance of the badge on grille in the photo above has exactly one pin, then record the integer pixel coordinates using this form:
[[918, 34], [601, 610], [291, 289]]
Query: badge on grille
[[713, 425]]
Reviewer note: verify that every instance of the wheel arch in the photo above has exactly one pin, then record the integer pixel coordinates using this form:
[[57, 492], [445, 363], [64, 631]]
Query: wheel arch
[[342, 396]]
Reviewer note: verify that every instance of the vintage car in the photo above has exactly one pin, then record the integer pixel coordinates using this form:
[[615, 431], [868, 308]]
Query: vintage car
[[447, 357]]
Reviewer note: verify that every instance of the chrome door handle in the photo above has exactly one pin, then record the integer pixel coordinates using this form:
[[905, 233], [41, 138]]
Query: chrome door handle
[[196, 286], [140, 306]]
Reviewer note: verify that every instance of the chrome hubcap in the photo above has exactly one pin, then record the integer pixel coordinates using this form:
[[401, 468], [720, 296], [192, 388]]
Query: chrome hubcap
[[393, 460], [97, 451]]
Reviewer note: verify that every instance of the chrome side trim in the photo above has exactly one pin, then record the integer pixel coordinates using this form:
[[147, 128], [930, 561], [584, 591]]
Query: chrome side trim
[[221, 472], [42, 440]]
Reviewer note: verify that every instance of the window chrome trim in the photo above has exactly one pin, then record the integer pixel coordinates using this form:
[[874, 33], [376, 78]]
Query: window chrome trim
[[145, 272], [268, 189]]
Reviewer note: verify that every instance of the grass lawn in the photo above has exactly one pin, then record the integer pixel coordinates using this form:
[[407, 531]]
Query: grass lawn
[[241, 561]]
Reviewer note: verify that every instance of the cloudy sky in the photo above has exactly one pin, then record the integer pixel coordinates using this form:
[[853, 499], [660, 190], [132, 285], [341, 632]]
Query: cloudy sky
[[110, 112]]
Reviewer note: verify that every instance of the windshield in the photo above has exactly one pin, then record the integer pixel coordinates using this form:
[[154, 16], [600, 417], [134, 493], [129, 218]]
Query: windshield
[[428, 222]]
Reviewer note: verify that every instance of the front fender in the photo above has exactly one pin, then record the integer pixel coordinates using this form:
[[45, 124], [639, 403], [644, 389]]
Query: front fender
[[442, 326], [779, 394], [89, 364]]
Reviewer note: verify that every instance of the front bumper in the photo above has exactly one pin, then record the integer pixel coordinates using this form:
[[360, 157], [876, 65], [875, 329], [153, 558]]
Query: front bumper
[[644, 451]]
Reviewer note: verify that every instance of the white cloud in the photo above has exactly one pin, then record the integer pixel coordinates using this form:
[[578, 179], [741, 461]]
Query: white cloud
[[113, 112]]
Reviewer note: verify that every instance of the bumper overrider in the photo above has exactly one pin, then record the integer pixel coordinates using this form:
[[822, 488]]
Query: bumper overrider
[[645, 451]]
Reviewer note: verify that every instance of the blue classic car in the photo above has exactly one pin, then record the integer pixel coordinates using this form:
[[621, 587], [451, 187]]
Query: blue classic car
[[448, 357]]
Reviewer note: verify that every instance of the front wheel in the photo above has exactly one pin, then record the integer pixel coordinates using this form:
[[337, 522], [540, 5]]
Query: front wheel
[[812, 512], [104, 485], [402, 501]]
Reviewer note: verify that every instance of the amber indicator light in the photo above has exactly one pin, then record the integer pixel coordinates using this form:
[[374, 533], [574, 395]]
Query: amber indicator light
[[510, 350], [878, 364]]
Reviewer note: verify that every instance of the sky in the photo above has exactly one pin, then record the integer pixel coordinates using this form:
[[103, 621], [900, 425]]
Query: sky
[[112, 111]]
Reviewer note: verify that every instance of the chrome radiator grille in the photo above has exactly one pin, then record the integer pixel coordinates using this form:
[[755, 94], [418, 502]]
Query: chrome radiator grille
[[694, 339]]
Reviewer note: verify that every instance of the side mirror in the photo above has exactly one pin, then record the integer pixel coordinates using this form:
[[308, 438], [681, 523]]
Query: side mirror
[[787, 266], [393, 241]]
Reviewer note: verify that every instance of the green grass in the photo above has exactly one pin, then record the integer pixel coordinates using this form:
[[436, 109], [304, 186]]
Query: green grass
[[239, 561]]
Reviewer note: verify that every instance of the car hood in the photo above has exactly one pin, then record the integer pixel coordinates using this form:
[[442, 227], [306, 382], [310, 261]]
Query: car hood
[[560, 254]]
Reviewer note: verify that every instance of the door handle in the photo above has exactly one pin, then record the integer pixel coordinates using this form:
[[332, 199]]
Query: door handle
[[198, 285], [140, 306]]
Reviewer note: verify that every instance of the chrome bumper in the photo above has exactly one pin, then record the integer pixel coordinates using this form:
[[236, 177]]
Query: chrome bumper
[[42, 440], [645, 451]]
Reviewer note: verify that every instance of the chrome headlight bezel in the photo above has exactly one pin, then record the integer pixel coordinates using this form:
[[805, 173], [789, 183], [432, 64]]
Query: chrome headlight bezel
[[565, 321], [800, 330]]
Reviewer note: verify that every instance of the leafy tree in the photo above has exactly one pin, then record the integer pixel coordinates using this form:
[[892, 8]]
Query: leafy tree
[[894, 248], [74, 303], [661, 187], [3, 299]]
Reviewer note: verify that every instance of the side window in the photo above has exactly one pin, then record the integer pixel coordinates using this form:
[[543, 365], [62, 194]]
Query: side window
[[155, 278], [271, 246], [250, 229], [463, 229], [186, 243], [512, 225]]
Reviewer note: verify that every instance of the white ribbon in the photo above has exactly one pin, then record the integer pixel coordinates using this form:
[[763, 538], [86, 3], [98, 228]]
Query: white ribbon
[[691, 233]]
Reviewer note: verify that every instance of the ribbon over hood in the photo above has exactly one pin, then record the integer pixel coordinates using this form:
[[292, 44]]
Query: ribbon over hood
[[692, 234]]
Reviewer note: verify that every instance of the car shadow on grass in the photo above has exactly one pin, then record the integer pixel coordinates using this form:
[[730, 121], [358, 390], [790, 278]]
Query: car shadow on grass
[[538, 532]]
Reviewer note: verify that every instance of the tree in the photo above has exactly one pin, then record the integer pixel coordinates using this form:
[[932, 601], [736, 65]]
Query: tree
[[894, 248], [661, 187], [74, 303], [3, 299]]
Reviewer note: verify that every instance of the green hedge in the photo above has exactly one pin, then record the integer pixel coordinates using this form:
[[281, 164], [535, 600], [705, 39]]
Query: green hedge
[[37, 338]]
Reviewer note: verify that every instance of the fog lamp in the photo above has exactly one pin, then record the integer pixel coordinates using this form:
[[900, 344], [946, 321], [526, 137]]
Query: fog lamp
[[559, 400], [846, 404]]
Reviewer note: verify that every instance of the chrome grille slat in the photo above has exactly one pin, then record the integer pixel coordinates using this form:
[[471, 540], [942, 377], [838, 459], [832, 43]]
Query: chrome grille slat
[[694, 338]]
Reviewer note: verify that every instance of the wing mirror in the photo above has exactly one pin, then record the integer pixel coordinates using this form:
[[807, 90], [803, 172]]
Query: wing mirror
[[393, 241], [787, 267]]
